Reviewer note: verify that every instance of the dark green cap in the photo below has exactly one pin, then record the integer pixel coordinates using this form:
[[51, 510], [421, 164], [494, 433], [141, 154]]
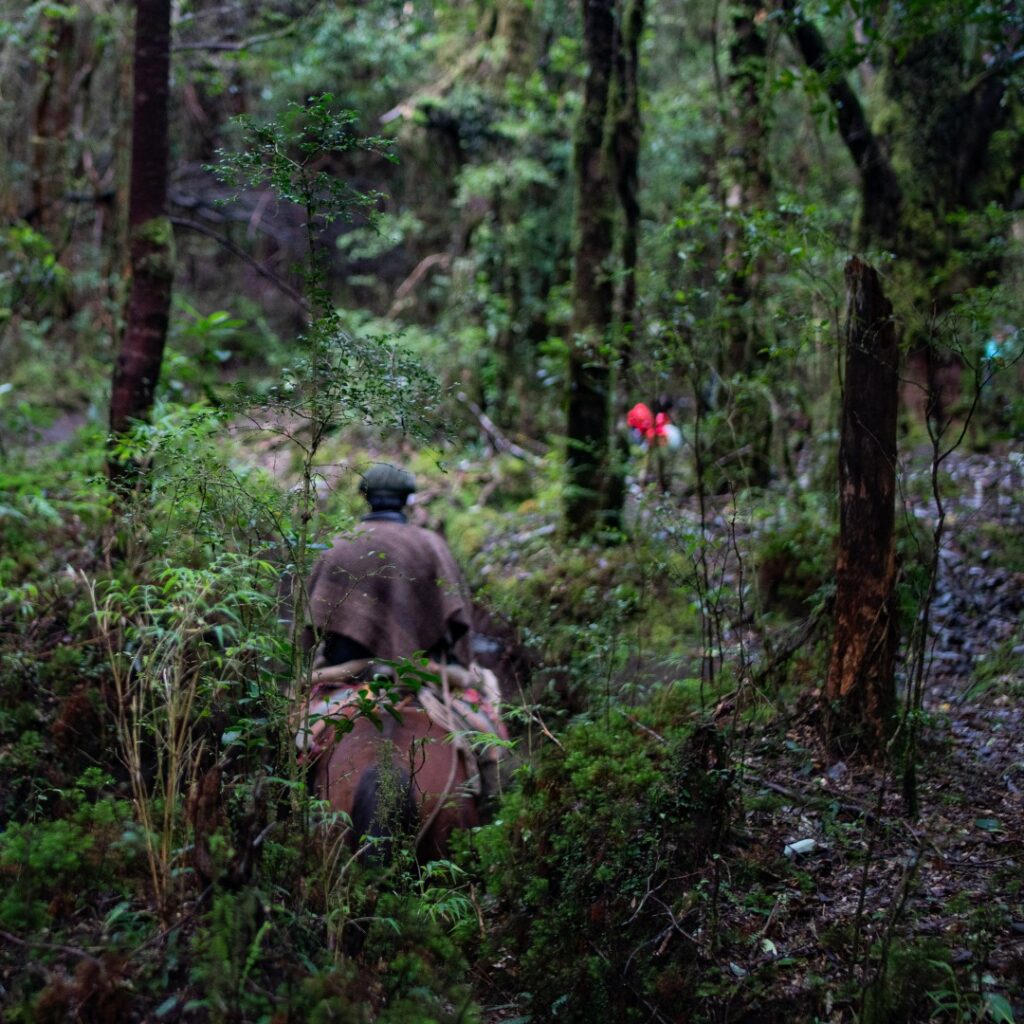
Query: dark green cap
[[384, 479]]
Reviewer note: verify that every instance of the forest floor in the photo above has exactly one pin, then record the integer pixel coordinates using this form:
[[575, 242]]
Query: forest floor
[[925, 907], [872, 878]]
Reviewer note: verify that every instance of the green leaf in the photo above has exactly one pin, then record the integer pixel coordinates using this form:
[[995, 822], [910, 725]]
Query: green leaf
[[999, 1008], [988, 824]]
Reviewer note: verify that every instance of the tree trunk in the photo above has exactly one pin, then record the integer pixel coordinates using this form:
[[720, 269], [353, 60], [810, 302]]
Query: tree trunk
[[590, 380], [747, 182], [151, 243], [52, 127], [740, 443], [860, 688], [881, 195], [627, 159]]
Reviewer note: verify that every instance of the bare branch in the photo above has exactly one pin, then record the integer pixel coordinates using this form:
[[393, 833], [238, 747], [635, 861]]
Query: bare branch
[[409, 285], [498, 440], [235, 46]]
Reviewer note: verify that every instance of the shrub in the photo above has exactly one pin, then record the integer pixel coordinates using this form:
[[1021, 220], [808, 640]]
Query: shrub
[[593, 865]]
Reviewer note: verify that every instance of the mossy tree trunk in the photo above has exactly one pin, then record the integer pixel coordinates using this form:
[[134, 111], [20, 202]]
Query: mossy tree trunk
[[588, 503], [52, 130], [741, 439], [151, 242], [747, 182], [627, 162], [860, 687]]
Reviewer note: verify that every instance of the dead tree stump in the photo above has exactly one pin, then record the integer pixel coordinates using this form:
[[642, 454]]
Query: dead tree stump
[[860, 692]]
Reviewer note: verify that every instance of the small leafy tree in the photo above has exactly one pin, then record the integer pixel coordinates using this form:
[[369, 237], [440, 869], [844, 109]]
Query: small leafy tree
[[197, 639], [336, 378]]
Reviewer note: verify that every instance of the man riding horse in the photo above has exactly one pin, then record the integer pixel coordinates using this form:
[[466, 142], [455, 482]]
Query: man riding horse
[[391, 590], [376, 599]]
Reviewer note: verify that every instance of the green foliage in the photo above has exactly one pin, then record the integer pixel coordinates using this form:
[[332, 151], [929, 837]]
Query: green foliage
[[228, 951], [585, 863], [286, 155], [916, 978], [335, 377], [598, 883], [41, 313], [795, 554], [53, 867], [1002, 668], [30, 272]]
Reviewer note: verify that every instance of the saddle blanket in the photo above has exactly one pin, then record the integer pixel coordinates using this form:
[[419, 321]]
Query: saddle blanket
[[464, 703]]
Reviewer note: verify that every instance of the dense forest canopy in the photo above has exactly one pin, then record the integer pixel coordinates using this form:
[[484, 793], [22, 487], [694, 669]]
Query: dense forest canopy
[[698, 323]]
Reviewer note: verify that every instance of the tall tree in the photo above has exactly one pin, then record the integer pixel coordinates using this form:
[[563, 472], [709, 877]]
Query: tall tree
[[627, 162], [607, 211], [860, 690], [151, 242], [747, 179], [593, 293], [740, 442], [52, 126]]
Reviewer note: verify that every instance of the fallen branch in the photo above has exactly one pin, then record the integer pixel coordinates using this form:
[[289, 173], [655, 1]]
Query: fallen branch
[[55, 946], [499, 442], [435, 90]]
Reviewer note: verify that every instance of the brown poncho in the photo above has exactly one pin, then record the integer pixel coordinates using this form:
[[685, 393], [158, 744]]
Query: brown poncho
[[395, 589]]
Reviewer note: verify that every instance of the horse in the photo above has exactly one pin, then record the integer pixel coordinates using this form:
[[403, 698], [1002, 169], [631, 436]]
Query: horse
[[396, 771]]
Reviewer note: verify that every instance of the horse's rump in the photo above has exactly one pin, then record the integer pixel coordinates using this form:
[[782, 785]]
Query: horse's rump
[[418, 773]]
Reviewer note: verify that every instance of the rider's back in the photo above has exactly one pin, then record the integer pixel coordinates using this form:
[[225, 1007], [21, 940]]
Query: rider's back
[[394, 589]]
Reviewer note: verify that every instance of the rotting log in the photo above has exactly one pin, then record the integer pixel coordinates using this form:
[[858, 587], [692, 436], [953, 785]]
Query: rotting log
[[860, 686]]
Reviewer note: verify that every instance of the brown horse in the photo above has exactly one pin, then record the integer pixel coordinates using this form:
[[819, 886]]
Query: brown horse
[[396, 777]]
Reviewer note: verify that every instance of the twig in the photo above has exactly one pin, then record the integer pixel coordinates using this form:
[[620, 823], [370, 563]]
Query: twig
[[813, 799], [154, 939], [655, 1012], [227, 46], [547, 732], [640, 725], [406, 288], [56, 946]]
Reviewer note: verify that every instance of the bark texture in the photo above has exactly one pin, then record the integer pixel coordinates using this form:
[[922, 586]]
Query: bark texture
[[628, 132], [860, 688], [52, 128], [151, 249], [747, 181], [587, 504]]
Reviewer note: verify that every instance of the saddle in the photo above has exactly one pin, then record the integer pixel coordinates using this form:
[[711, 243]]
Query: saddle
[[462, 702]]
